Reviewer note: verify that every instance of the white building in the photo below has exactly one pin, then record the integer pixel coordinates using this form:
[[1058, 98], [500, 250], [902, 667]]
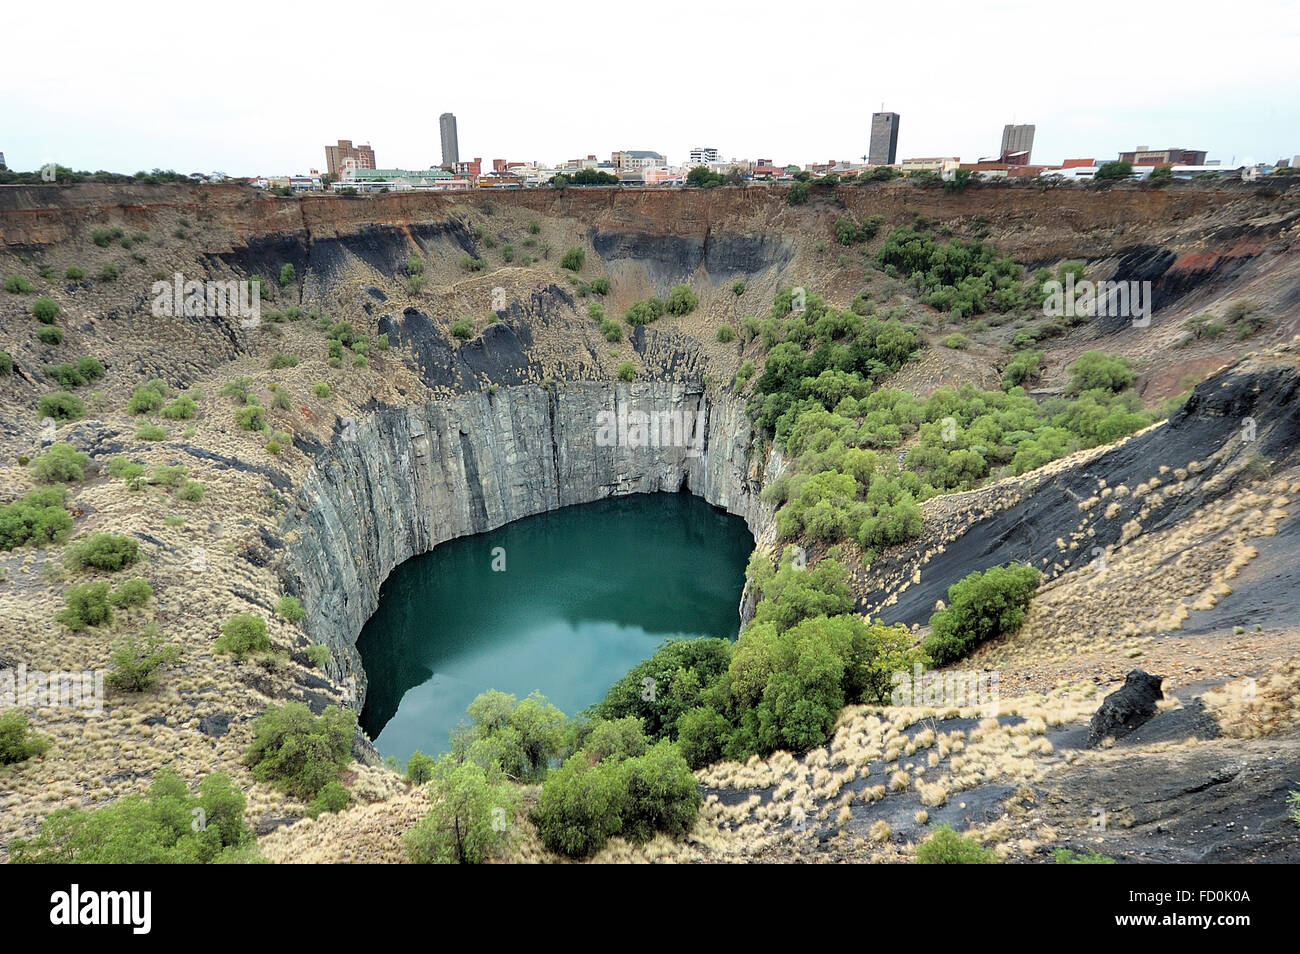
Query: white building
[[703, 155]]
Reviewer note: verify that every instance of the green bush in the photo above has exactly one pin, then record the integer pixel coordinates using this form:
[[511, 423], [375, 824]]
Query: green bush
[[738, 288], [981, 607], [298, 752], [579, 809], [318, 655], [105, 551], [644, 312], [600, 285], [381, 342], [1096, 369], [461, 329], [18, 285], [241, 635], [181, 408], [6, 362], [360, 361], [281, 401], [191, 491], [333, 797], [18, 742], [251, 418], [573, 259], [166, 826], [797, 194], [50, 336], [74, 274], [946, 847], [611, 330], [290, 608], [280, 360], [660, 795], [1113, 170], [518, 738], [61, 464], [702, 735], [86, 370], [86, 605], [627, 371], [471, 263], [45, 310], [38, 517], [726, 334], [420, 768], [288, 275], [956, 341], [134, 592], [470, 820], [61, 406], [596, 311], [321, 390], [148, 398], [681, 301], [1022, 369], [109, 272], [414, 265], [136, 660], [151, 432]]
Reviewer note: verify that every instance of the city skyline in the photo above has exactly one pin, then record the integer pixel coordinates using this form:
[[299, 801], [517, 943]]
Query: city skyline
[[259, 118]]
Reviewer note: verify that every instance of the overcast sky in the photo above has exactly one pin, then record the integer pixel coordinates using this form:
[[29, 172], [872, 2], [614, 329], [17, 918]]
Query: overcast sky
[[247, 88]]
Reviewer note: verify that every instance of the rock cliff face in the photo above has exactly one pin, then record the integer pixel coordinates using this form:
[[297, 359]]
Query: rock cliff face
[[403, 480]]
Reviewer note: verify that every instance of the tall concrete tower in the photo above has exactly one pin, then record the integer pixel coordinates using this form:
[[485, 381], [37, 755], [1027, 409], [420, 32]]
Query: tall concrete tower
[[1017, 140], [884, 139], [450, 145]]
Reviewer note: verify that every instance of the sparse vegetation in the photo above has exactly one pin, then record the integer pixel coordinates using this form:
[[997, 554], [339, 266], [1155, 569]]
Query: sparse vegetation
[[946, 847]]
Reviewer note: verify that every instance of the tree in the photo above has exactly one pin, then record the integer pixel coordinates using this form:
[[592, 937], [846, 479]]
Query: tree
[[299, 752], [660, 794], [18, 742], [1096, 369], [288, 274], [1161, 174], [1113, 170], [62, 463], [243, 634], [681, 301], [136, 659], [797, 194], [580, 807], [981, 607], [573, 259]]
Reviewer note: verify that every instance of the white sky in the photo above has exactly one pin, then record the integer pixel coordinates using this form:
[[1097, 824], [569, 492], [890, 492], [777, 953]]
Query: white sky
[[249, 88]]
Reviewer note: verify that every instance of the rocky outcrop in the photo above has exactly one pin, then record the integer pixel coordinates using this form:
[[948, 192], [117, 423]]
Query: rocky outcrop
[[1128, 707], [402, 480]]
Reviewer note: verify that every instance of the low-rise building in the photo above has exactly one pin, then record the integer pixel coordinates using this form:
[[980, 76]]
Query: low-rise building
[[1146, 156]]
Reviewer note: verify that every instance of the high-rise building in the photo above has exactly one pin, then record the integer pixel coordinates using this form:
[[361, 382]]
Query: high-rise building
[[337, 157], [884, 139], [703, 155], [1017, 140], [450, 144]]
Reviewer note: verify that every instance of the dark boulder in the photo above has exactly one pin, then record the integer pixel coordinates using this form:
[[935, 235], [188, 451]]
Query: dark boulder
[[1126, 708]]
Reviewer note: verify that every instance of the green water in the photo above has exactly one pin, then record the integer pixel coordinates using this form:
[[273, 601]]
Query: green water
[[587, 592]]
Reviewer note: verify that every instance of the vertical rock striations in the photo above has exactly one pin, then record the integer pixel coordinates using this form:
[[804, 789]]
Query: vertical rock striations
[[417, 476]]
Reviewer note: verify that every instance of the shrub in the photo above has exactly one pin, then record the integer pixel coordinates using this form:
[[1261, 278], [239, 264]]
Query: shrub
[[321, 390], [280, 360], [136, 660], [105, 551], [134, 592], [381, 342], [946, 847], [61, 464], [49, 336], [343, 332], [166, 826], [6, 362], [797, 194], [333, 797], [45, 310], [360, 361], [243, 634], [237, 389], [660, 794], [420, 767], [74, 274], [644, 312], [281, 401], [147, 398], [181, 408], [61, 406], [573, 259], [534, 227], [600, 285], [956, 341], [288, 275], [1022, 369], [414, 265], [726, 334], [151, 432], [168, 475], [1113, 170], [86, 370], [702, 733], [1096, 369], [318, 655], [472, 264], [251, 418], [109, 272], [290, 608], [681, 301], [191, 491], [18, 742], [580, 807], [470, 818], [611, 330], [981, 607], [627, 371], [596, 311], [298, 752], [38, 517], [738, 288], [18, 285], [462, 330], [86, 605]]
